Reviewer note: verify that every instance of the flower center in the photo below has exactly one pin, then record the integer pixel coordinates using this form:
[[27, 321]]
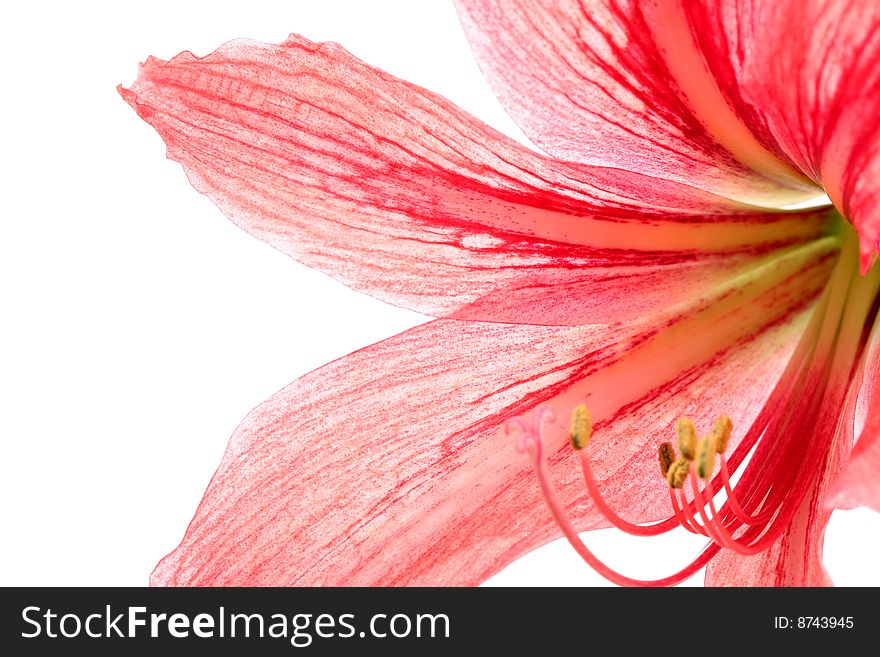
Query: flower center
[[791, 439]]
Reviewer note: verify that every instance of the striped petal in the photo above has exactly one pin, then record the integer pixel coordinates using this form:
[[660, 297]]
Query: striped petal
[[859, 483], [622, 83], [390, 467], [803, 75], [795, 559], [802, 454], [397, 193]]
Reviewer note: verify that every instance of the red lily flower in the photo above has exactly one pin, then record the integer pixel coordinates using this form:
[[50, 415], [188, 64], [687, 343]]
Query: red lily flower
[[644, 267]]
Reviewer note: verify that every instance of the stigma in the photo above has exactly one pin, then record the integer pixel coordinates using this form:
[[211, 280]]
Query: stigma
[[694, 474]]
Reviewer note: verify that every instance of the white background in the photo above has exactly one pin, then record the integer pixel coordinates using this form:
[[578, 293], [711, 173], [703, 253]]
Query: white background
[[139, 326]]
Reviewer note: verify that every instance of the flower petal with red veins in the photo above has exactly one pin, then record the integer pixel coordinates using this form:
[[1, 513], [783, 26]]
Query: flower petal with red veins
[[803, 75], [859, 483], [390, 466], [796, 462], [397, 193], [795, 559], [596, 82]]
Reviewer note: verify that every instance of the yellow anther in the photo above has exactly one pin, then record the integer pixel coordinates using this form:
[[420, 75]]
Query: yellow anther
[[581, 427], [667, 457], [677, 473], [687, 437], [721, 432], [705, 459]]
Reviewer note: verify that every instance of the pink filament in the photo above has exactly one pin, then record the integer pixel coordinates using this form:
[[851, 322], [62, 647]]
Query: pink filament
[[690, 522], [530, 441], [741, 515], [717, 531], [608, 512], [712, 525], [680, 516], [586, 554]]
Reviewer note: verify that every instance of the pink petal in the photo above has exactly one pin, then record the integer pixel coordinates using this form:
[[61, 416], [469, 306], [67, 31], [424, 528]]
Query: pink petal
[[795, 559], [622, 84], [803, 75], [397, 193], [799, 459], [859, 483], [389, 466]]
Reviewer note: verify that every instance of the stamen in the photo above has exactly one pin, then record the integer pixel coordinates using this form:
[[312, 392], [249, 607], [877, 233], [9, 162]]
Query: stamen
[[703, 528], [531, 441], [677, 473], [616, 520], [709, 526], [732, 501], [721, 431], [687, 437], [581, 427], [706, 456], [716, 530], [695, 462], [686, 520], [667, 456]]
